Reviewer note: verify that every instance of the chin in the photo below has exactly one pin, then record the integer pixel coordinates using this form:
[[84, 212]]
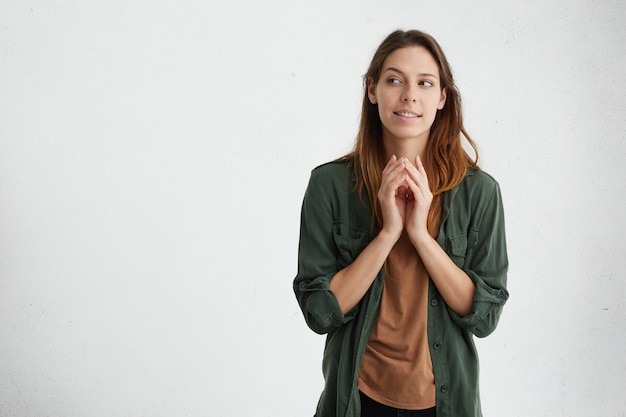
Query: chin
[[412, 135]]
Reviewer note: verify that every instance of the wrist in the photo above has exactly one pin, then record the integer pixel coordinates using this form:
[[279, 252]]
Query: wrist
[[420, 237], [388, 237]]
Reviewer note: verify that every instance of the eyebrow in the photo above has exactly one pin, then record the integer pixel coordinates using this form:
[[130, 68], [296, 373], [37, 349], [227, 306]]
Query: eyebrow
[[423, 74]]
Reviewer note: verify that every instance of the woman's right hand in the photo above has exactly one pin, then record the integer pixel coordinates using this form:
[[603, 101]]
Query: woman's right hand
[[392, 198]]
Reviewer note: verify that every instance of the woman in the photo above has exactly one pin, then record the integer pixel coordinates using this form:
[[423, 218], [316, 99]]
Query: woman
[[402, 256]]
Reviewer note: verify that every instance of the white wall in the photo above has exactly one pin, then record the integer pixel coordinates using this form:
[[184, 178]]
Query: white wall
[[153, 158]]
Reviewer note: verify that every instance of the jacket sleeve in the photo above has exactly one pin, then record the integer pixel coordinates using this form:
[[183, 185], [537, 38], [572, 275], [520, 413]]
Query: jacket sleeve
[[486, 264], [318, 260]]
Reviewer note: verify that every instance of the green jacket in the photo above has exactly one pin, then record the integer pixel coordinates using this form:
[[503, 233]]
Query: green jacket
[[336, 227]]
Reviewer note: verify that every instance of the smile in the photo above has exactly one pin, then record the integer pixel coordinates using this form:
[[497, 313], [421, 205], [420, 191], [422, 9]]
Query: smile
[[408, 115]]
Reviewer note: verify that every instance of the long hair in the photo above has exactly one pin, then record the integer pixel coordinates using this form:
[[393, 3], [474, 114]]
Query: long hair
[[446, 162]]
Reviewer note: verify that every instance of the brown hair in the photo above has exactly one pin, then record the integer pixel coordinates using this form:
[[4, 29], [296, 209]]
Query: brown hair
[[446, 162]]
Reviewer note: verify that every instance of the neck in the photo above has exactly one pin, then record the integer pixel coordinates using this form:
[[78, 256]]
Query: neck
[[405, 148]]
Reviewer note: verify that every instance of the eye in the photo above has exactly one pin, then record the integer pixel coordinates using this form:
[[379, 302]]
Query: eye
[[393, 80], [426, 83]]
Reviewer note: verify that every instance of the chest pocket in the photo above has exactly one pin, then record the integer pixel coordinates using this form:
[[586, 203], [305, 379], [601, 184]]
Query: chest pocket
[[461, 247], [350, 243], [457, 249]]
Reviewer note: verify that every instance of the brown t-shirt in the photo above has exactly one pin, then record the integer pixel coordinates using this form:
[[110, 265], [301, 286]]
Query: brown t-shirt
[[397, 369]]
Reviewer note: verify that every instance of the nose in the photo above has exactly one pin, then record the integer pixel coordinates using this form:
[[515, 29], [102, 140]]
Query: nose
[[409, 94]]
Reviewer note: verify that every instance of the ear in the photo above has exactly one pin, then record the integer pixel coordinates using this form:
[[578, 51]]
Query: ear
[[371, 90], [442, 99]]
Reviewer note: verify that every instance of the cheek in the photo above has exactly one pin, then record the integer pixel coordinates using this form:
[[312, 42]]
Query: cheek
[[381, 113], [382, 104], [435, 103], [387, 97]]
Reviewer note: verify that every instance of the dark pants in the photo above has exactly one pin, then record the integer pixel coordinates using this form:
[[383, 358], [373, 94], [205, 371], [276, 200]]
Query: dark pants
[[371, 408]]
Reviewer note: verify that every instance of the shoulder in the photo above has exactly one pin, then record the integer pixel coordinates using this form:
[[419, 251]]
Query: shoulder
[[334, 174], [333, 169], [478, 185], [474, 193], [476, 177]]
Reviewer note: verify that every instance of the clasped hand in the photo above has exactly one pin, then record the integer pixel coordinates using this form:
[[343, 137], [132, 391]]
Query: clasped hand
[[405, 198]]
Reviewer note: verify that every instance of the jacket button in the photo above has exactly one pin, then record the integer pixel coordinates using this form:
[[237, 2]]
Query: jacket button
[[444, 388], [303, 286], [434, 302], [437, 345]]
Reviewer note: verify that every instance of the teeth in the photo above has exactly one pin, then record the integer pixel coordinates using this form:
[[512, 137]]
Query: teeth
[[403, 114]]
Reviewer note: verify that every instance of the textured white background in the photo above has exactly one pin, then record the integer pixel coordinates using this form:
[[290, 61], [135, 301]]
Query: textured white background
[[153, 158]]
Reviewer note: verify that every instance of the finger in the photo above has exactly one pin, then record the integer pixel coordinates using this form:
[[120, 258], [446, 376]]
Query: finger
[[414, 187], [422, 194], [392, 161], [419, 177], [396, 182], [392, 171], [389, 186], [420, 166]]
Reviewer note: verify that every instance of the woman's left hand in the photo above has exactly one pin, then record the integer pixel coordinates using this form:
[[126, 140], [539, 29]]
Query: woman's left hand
[[418, 200]]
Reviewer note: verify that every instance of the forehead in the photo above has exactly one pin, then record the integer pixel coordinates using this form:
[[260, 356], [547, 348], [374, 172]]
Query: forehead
[[411, 60]]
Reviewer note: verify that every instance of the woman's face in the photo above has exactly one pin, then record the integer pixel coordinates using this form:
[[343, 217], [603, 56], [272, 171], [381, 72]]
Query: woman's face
[[408, 94]]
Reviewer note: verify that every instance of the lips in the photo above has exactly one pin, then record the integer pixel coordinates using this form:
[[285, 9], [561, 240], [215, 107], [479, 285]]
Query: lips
[[406, 114]]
